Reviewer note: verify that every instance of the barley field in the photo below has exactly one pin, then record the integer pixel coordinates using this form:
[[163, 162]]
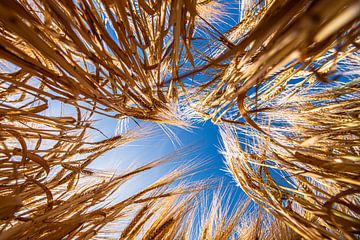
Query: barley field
[[278, 80]]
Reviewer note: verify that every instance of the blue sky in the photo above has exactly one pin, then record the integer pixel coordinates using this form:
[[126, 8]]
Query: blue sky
[[204, 136]]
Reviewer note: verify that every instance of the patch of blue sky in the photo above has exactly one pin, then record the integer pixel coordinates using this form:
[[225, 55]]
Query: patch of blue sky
[[204, 135]]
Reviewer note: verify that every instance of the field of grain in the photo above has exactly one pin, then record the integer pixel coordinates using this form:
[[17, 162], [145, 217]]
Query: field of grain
[[279, 78]]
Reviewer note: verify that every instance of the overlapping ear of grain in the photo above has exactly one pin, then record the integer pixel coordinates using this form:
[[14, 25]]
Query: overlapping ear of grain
[[109, 55], [47, 190], [60, 54], [304, 170], [289, 98], [286, 77]]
